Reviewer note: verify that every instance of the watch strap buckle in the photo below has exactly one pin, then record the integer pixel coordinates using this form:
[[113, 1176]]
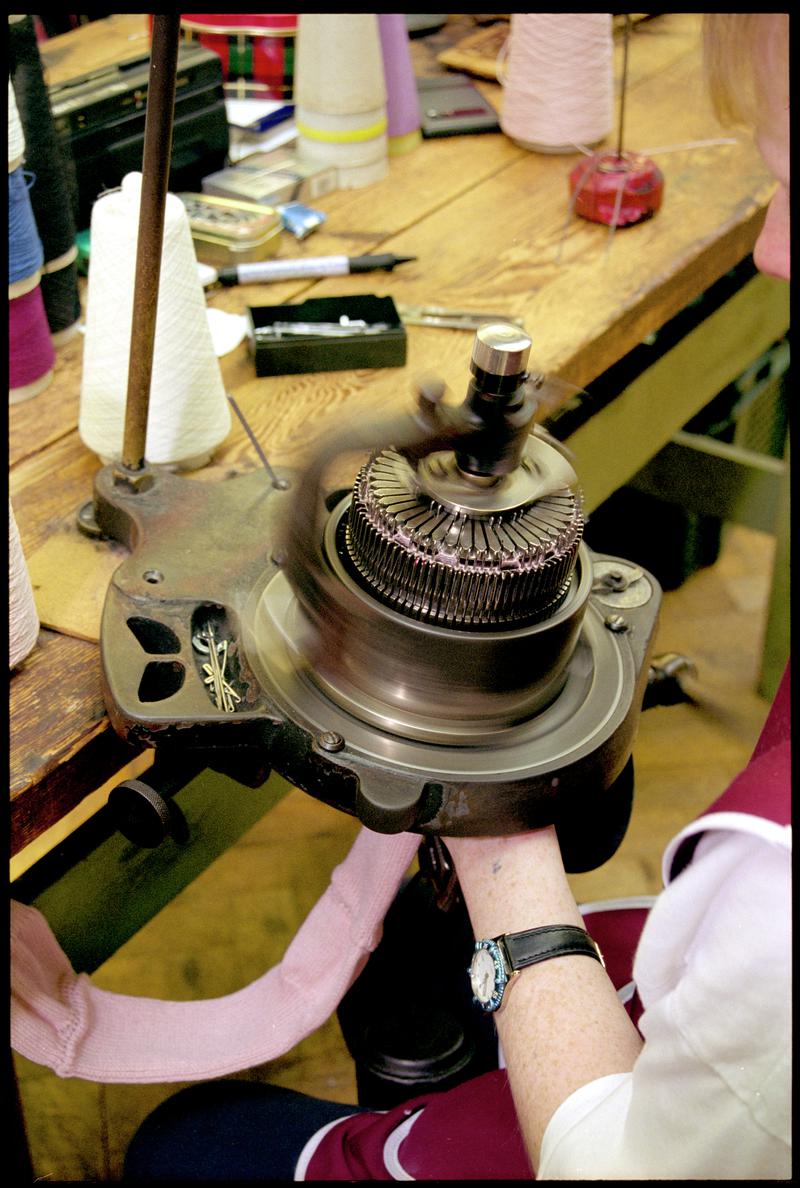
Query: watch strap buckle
[[436, 865]]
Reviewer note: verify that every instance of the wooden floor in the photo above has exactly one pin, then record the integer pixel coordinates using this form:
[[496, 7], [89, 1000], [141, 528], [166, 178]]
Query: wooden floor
[[236, 920]]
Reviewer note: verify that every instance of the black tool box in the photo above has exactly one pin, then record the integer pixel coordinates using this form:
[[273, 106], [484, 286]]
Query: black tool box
[[99, 118], [381, 342]]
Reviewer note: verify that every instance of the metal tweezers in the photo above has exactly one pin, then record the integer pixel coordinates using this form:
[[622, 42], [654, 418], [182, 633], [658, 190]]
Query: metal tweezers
[[450, 319], [344, 328]]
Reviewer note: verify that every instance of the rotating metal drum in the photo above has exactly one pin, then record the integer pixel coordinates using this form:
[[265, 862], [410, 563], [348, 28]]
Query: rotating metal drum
[[471, 595]]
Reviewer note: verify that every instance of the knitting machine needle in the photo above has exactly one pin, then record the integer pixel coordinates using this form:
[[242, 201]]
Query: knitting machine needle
[[618, 188], [624, 83]]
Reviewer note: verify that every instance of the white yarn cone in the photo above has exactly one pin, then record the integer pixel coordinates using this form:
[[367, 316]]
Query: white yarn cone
[[340, 95], [188, 415], [558, 80], [23, 618], [16, 136]]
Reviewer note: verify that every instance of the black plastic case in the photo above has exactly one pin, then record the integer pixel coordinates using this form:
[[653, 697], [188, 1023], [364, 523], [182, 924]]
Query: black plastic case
[[451, 105], [294, 354], [99, 118]]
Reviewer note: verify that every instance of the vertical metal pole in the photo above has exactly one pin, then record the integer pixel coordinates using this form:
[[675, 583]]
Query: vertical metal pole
[[155, 181], [624, 84]]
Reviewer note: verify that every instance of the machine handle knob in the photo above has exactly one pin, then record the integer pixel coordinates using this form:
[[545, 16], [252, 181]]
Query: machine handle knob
[[144, 816], [501, 349]]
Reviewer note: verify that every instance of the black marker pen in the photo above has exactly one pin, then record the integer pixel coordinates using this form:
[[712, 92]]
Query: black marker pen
[[310, 266]]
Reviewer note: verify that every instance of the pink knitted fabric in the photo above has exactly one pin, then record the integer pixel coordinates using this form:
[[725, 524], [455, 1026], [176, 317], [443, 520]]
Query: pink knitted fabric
[[59, 1019]]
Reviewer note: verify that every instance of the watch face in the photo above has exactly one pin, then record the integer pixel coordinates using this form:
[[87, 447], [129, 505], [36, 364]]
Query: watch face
[[487, 975]]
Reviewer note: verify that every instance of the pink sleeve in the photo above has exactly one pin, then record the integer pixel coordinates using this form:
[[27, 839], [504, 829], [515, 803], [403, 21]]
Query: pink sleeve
[[59, 1019]]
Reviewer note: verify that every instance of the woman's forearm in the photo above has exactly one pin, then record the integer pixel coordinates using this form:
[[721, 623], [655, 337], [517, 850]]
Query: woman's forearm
[[561, 1024]]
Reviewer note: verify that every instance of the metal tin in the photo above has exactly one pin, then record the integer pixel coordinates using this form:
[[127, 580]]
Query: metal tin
[[229, 232]]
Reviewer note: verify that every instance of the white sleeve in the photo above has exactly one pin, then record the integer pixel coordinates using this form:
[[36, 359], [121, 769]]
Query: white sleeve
[[709, 1096]]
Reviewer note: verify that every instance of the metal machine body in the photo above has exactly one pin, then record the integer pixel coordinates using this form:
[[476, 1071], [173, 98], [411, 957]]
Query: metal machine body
[[436, 650]]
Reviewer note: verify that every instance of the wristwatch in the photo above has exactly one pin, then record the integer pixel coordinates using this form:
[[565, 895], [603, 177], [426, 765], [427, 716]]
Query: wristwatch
[[495, 962]]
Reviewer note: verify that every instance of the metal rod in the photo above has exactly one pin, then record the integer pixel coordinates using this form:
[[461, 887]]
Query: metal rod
[[624, 84], [159, 118], [279, 484]]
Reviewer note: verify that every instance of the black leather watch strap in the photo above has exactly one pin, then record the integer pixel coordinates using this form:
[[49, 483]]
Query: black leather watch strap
[[540, 944]]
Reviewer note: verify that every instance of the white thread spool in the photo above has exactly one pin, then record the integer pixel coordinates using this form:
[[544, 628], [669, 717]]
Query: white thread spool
[[558, 80], [188, 414], [16, 136], [340, 96], [23, 618]]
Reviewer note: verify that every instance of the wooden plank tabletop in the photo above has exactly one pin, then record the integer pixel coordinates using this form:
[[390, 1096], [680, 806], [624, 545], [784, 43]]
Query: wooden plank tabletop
[[487, 222]]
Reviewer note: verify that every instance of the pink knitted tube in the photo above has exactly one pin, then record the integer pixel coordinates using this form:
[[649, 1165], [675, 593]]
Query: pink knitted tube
[[59, 1019]]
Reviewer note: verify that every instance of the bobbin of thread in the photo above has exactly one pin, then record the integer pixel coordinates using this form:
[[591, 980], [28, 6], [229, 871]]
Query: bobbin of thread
[[404, 120], [61, 298], [188, 413], [31, 354], [45, 158], [558, 80], [25, 253], [51, 195], [16, 136], [23, 618], [340, 96]]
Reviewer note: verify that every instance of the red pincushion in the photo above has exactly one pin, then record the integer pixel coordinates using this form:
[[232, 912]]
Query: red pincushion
[[595, 184]]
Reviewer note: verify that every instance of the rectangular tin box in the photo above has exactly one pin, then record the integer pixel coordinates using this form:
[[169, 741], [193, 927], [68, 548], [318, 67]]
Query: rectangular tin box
[[226, 232]]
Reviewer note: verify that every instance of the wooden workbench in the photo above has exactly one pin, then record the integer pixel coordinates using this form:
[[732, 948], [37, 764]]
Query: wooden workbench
[[485, 220]]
